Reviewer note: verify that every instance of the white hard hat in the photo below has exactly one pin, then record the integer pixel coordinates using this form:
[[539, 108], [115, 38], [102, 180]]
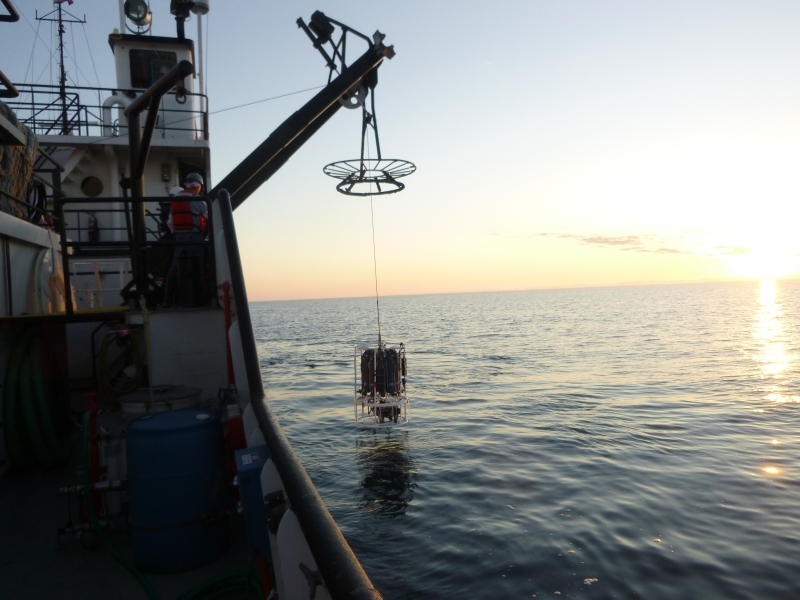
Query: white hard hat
[[175, 190]]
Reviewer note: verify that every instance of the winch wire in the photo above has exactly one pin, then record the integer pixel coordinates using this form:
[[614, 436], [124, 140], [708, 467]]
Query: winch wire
[[374, 254], [375, 266]]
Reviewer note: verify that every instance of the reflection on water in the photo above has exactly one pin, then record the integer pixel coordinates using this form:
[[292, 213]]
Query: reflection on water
[[774, 355], [628, 406], [388, 473]]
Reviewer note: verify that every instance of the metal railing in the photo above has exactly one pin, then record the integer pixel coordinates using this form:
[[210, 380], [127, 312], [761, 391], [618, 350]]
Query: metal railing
[[89, 111], [343, 575], [135, 249]]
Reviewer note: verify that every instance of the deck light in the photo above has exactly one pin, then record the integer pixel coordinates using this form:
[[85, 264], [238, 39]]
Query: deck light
[[138, 12]]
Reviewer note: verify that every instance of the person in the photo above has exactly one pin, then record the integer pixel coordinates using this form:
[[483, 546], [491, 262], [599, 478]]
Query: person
[[164, 209], [187, 221]]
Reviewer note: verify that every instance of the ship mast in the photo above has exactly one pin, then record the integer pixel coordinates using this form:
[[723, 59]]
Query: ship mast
[[62, 84]]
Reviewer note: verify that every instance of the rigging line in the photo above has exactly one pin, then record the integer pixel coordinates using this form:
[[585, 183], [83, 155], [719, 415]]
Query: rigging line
[[52, 58], [375, 265], [111, 137], [91, 56], [266, 99], [30, 67], [36, 31], [30, 60], [374, 251], [78, 69], [75, 57]]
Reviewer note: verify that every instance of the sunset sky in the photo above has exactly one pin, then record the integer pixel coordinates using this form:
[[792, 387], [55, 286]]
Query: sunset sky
[[557, 143]]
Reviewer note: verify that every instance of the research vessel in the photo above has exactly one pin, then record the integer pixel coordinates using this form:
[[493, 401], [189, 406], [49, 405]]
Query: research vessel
[[138, 454]]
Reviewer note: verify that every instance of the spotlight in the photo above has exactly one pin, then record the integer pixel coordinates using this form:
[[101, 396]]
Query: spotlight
[[138, 12]]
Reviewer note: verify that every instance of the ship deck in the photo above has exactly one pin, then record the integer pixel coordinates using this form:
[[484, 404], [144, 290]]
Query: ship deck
[[36, 563]]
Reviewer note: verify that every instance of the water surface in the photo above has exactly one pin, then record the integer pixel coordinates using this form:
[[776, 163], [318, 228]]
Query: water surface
[[633, 442]]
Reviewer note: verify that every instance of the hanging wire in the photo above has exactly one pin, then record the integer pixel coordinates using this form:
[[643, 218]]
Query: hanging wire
[[52, 36], [316, 87], [30, 67], [91, 56], [214, 112], [374, 252], [375, 266], [74, 56]]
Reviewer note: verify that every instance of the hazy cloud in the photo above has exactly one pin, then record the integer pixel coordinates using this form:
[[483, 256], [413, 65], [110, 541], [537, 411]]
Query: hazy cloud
[[653, 243]]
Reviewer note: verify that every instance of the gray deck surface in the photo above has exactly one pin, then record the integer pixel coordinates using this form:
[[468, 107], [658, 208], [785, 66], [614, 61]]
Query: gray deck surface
[[33, 564]]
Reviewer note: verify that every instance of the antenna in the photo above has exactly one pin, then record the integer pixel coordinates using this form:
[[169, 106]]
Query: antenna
[[62, 86]]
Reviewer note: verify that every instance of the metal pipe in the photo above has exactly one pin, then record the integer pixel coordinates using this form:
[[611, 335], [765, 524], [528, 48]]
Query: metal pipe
[[139, 143], [200, 73], [57, 164], [108, 125], [147, 136], [168, 81], [10, 91], [12, 16], [344, 578]]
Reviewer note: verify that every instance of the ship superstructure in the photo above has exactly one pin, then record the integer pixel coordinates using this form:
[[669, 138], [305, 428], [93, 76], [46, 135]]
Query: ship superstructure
[[151, 422]]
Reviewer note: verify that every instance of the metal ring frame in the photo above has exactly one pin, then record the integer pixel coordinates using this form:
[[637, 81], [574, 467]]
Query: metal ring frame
[[356, 174]]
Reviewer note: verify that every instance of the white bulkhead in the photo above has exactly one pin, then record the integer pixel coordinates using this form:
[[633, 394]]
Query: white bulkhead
[[140, 62]]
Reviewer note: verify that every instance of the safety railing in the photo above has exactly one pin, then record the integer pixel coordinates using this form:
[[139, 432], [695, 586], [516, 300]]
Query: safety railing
[[343, 575], [75, 241], [90, 111], [36, 214]]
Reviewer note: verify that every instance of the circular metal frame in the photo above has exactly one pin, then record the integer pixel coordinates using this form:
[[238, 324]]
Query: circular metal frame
[[358, 174]]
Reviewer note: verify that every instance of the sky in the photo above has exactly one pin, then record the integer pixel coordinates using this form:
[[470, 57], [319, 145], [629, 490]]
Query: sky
[[557, 144]]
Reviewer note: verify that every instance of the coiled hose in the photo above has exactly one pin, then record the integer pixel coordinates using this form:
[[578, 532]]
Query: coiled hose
[[30, 408], [237, 580]]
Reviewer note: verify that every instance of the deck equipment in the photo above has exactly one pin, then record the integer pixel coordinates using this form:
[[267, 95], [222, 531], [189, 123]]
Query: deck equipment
[[380, 386]]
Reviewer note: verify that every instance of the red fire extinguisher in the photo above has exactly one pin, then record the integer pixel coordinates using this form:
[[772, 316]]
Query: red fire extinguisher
[[94, 228]]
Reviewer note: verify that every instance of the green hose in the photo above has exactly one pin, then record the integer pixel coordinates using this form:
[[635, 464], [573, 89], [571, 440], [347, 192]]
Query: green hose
[[29, 410], [30, 417], [45, 406], [17, 448]]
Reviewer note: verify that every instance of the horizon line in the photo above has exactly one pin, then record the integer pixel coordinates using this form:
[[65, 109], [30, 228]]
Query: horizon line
[[575, 286]]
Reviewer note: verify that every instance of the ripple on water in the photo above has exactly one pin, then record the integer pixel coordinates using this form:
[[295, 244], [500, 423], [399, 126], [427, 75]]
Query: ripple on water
[[598, 443]]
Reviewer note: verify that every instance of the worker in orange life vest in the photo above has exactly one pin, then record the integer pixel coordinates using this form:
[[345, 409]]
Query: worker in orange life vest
[[187, 220]]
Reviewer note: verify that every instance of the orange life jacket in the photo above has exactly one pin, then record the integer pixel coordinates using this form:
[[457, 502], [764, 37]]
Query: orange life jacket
[[182, 216]]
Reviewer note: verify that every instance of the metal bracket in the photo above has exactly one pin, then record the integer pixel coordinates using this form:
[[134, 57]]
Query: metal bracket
[[314, 579]]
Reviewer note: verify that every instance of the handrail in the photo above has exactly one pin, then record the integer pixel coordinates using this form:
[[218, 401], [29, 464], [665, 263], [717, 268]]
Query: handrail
[[126, 91], [136, 247], [343, 575], [39, 108], [31, 207]]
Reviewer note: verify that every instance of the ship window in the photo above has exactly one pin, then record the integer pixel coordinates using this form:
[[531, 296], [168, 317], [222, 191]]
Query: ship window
[[148, 66], [92, 187]]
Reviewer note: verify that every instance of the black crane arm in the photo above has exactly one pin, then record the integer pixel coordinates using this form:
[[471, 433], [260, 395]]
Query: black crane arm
[[290, 135]]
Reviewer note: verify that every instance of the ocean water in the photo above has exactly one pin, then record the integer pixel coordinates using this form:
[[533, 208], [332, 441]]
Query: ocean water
[[628, 442]]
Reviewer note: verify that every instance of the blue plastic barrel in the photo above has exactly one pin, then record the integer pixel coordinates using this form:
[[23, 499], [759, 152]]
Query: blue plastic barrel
[[176, 490]]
